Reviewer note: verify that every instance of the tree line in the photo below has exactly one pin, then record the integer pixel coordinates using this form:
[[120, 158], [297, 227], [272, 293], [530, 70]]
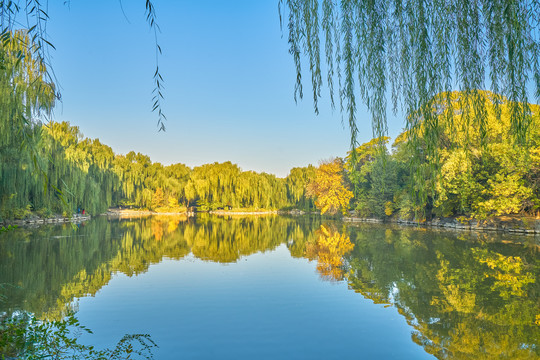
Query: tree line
[[445, 165], [48, 167], [63, 172], [470, 173]]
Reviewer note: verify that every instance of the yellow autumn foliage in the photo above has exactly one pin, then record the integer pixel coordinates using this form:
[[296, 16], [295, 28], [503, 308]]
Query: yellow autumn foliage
[[329, 249], [329, 188]]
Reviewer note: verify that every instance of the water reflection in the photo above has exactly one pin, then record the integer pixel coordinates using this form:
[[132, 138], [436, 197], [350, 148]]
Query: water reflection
[[329, 250], [51, 266], [474, 298], [465, 296]]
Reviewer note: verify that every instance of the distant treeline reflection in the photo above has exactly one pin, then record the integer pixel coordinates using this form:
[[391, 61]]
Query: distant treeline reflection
[[466, 298], [50, 266]]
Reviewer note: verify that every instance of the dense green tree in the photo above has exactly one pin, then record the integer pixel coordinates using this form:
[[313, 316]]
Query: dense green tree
[[82, 169], [418, 52], [376, 178], [297, 181], [470, 173], [486, 174], [25, 93], [85, 174]]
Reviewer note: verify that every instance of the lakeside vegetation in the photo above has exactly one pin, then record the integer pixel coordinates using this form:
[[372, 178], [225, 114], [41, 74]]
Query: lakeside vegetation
[[71, 172], [50, 168], [471, 174], [444, 165]]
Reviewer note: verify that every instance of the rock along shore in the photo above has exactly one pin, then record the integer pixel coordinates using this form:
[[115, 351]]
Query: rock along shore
[[75, 218], [505, 224], [517, 225]]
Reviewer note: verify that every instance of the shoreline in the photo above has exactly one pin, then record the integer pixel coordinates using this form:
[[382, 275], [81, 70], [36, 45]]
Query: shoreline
[[140, 213], [116, 212], [505, 224], [230, 213], [75, 218]]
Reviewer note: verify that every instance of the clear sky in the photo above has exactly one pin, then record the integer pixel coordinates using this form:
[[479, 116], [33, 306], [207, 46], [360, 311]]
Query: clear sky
[[229, 82]]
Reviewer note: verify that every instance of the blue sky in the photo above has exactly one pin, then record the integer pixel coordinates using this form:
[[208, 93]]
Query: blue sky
[[229, 84]]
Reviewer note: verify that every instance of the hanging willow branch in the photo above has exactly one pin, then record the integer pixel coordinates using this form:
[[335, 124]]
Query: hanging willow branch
[[416, 51], [32, 16], [158, 79]]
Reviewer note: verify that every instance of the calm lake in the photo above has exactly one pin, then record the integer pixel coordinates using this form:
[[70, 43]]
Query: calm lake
[[281, 287]]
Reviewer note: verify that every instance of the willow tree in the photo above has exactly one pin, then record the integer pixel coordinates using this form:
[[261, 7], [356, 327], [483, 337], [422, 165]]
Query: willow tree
[[414, 53], [32, 16], [24, 94]]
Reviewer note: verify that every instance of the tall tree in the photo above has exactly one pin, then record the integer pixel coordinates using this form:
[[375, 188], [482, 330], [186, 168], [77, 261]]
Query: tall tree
[[330, 188], [25, 93]]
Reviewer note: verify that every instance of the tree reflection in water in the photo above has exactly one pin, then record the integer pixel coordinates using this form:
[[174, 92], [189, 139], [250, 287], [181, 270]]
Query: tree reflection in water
[[466, 296], [329, 248]]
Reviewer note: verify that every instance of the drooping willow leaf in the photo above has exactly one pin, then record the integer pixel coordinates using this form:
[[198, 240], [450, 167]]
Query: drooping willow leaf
[[414, 51], [32, 16]]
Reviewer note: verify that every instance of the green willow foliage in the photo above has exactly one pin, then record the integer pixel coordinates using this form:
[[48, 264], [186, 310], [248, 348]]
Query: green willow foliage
[[88, 175], [53, 169], [25, 94], [25, 90], [415, 50], [32, 16], [77, 174]]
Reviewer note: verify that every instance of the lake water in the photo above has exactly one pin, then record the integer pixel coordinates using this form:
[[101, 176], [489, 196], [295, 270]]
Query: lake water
[[279, 287]]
